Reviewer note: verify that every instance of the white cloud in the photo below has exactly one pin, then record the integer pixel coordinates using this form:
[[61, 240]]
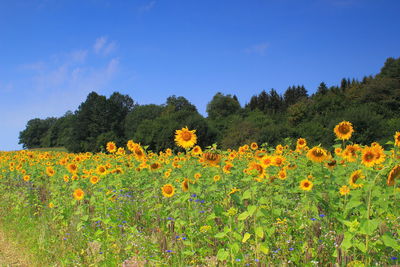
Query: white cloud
[[147, 7], [258, 49], [52, 86], [103, 47]]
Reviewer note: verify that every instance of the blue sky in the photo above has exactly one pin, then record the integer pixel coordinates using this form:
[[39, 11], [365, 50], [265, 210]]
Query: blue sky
[[54, 52]]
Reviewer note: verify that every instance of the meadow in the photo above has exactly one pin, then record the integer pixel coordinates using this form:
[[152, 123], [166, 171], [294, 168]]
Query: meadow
[[254, 206]]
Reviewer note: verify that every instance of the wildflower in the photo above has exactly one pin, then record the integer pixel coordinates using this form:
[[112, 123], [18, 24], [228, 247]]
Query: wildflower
[[205, 228]]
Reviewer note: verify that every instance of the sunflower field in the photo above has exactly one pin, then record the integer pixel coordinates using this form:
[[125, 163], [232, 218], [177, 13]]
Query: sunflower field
[[254, 206]]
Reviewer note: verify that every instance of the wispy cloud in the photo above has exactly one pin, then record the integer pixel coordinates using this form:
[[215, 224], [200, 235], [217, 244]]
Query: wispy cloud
[[147, 7], [258, 49], [103, 46], [53, 85]]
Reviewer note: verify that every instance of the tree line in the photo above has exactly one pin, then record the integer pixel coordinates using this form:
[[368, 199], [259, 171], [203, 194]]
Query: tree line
[[372, 105]]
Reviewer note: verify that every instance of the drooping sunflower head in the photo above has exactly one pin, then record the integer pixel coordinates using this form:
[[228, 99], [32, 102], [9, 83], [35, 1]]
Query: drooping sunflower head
[[111, 147], [317, 154], [185, 185], [168, 190], [211, 158], [394, 174], [155, 166], [344, 130], [306, 185], [397, 139], [185, 138], [354, 177], [78, 194]]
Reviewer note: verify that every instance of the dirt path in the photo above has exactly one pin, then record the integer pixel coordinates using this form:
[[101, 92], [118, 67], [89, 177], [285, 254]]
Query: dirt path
[[11, 254]]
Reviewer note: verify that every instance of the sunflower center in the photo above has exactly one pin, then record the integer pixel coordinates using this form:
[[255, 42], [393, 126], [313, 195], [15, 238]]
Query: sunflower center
[[186, 136], [168, 189], [344, 129], [318, 153], [369, 156], [306, 184]]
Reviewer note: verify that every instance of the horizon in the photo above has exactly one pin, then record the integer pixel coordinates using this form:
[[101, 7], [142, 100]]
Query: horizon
[[151, 50]]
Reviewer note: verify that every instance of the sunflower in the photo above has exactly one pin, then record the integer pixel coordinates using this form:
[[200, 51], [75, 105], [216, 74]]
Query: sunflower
[[253, 146], [343, 130], [155, 166], [354, 177], [79, 194], [130, 145], [397, 139], [101, 170], [227, 168], [331, 164], [279, 149], [255, 168], [350, 152], [368, 156], [217, 178], [301, 143], [379, 153], [185, 185], [394, 174], [120, 151], [72, 168], [185, 138], [233, 191], [197, 150], [211, 158], [27, 178], [344, 190], [278, 160], [282, 174], [197, 175], [50, 171], [94, 179], [266, 161], [168, 190], [111, 147], [306, 185], [317, 154]]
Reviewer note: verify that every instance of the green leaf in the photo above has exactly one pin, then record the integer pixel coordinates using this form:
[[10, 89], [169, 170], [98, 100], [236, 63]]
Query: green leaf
[[251, 210], [368, 227], [222, 254], [85, 218], [220, 235], [246, 194], [361, 246], [235, 248], [246, 237], [390, 242], [259, 232], [264, 249], [346, 244], [243, 216]]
